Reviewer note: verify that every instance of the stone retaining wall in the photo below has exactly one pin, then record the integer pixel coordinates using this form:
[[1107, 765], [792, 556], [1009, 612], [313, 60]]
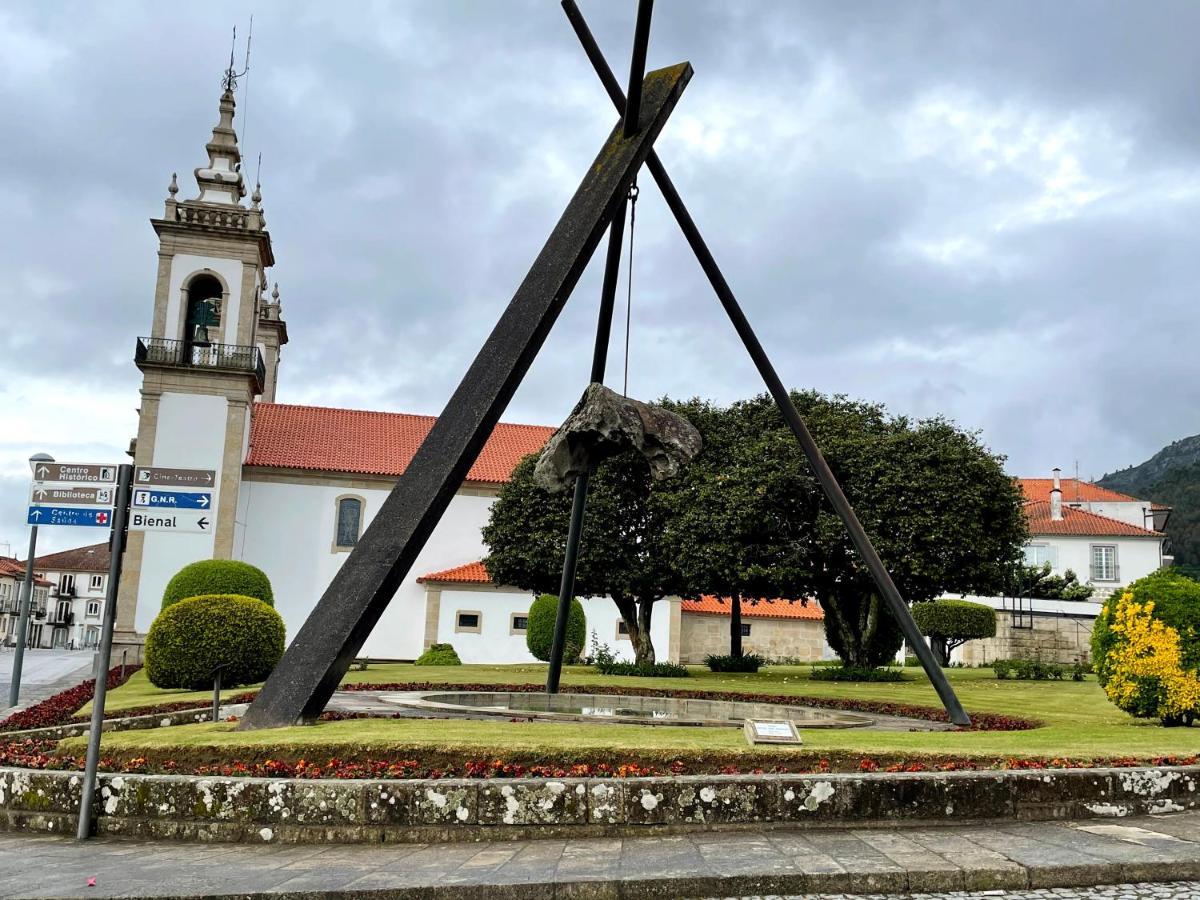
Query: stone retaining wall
[[130, 723], [299, 811]]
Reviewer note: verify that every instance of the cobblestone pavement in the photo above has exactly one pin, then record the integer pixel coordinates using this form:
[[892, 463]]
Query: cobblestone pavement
[[1178, 890], [977, 860]]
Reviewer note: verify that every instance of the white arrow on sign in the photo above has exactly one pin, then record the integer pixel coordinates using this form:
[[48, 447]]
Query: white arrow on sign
[[42, 471], [36, 515]]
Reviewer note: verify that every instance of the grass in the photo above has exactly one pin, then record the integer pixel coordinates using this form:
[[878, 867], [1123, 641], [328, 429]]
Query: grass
[[1079, 721]]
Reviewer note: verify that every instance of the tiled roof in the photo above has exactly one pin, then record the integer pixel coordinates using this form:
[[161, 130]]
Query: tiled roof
[[760, 609], [371, 443], [14, 568], [1073, 491], [93, 558], [471, 573], [1079, 522], [475, 573]]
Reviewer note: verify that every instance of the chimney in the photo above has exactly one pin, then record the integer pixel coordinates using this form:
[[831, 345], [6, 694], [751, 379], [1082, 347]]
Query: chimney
[[1056, 497]]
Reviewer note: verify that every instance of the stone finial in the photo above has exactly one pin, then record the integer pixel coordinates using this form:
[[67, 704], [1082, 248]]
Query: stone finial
[[173, 187], [221, 180], [256, 197], [604, 424], [275, 293]]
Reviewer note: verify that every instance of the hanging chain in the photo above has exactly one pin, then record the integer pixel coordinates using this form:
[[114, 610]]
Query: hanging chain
[[633, 197]]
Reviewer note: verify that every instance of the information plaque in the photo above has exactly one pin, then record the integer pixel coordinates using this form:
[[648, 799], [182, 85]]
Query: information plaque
[[771, 731]]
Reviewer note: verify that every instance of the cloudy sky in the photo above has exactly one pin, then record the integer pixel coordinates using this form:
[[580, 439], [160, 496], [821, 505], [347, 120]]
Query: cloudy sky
[[985, 211]]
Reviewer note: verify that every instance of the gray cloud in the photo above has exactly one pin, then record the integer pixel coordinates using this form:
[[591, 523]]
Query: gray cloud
[[982, 211]]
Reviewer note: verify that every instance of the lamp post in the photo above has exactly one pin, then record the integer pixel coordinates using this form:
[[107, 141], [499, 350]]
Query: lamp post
[[14, 689]]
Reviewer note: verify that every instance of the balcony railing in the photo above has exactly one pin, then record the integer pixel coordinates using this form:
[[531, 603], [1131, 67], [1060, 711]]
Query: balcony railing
[[59, 618], [218, 357]]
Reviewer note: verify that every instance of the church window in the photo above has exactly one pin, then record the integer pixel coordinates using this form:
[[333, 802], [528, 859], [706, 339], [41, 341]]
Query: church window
[[468, 621], [349, 522], [203, 323]]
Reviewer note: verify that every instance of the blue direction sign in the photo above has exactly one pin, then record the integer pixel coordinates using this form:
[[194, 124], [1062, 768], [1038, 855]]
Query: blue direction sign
[[69, 515], [153, 499]]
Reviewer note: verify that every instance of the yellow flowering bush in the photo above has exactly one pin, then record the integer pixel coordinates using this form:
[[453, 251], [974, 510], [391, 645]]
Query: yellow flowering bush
[[1146, 650]]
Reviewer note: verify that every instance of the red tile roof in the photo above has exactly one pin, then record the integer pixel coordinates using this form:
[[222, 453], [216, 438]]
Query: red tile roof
[[475, 573], [1079, 522], [14, 568], [1073, 491], [761, 609], [371, 443], [471, 573], [93, 558]]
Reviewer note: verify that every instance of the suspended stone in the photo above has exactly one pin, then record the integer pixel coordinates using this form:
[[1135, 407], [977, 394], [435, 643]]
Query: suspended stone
[[604, 424]]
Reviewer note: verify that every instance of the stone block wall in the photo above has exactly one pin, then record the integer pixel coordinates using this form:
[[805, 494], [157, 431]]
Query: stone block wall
[[312, 811], [1062, 639], [704, 635]]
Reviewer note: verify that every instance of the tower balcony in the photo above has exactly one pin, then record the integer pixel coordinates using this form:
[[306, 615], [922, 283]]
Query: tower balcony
[[171, 354]]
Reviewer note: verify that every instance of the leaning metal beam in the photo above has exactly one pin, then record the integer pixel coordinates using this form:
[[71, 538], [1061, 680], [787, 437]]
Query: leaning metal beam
[[826, 478], [336, 629]]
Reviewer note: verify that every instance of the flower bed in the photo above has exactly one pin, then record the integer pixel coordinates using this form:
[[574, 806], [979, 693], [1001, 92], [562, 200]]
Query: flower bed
[[979, 721], [59, 709]]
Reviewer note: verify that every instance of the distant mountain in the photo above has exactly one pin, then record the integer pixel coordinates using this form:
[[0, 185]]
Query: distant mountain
[[1170, 477]]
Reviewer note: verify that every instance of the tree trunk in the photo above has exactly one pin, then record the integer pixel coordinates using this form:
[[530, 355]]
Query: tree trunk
[[855, 640], [643, 648], [735, 625], [636, 616], [941, 650]]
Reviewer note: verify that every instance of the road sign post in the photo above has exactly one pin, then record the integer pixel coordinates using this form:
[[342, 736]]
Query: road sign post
[[117, 548], [14, 689], [172, 500]]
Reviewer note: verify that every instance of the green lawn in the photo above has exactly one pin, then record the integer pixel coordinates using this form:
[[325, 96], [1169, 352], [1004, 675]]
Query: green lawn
[[1079, 721]]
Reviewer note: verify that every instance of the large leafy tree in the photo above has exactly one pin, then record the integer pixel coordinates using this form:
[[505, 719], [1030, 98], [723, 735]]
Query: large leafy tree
[[751, 520], [620, 553], [729, 522]]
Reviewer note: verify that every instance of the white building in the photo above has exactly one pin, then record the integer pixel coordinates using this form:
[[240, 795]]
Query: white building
[[1106, 538], [75, 605], [12, 580]]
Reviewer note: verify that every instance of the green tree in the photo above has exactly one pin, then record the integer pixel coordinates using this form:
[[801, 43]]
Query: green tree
[[1040, 583], [621, 552], [951, 623], [725, 536], [539, 629], [936, 503]]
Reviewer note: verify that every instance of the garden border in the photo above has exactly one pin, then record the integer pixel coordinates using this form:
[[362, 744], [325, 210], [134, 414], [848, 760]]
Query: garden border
[[290, 810]]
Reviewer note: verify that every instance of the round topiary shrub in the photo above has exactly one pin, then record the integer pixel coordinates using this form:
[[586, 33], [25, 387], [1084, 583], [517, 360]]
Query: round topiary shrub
[[1146, 648], [539, 631], [189, 639], [218, 576], [438, 655], [951, 623]]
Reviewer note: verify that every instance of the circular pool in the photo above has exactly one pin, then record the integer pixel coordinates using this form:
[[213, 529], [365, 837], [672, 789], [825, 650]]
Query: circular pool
[[630, 710]]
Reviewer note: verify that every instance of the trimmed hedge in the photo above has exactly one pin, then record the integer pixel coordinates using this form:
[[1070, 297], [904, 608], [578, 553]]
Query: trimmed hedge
[[438, 655], [539, 632], [218, 576], [852, 673], [642, 669], [190, 638], [951, 623], [747, 662]]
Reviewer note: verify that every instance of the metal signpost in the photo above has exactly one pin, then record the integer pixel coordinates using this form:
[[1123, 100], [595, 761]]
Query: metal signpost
[[148, 499], [63, 494], [117, 548]]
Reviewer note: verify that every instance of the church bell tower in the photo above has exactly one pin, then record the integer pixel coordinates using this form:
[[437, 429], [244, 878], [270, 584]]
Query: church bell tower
[[213, 351]]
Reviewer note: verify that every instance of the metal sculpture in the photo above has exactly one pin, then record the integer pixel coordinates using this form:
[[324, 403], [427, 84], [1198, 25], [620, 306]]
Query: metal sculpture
[[335, 631]]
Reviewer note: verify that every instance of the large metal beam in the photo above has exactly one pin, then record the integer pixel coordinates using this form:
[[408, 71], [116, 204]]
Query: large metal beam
[[828, 481], [336, 629]]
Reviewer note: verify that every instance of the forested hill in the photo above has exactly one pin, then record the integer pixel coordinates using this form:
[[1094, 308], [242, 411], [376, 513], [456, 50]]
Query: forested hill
[[1171, 477]]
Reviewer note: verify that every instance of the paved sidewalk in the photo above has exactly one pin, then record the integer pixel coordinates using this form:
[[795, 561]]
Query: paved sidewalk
[[43, 674], [888, 861]]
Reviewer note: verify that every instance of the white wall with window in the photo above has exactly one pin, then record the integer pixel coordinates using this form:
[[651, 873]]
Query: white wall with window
[[1104, 562], [481, 624]]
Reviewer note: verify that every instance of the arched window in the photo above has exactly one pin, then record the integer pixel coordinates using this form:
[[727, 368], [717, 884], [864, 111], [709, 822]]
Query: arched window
[[203, 324], [349, 522]]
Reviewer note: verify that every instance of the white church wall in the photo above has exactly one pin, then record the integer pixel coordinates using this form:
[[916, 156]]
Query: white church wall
[[190, 435], [288, 532], [494, 643], [1136, 556]]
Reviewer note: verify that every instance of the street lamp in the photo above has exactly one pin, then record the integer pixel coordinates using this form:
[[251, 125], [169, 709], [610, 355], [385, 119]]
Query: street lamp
[[14, 689]]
